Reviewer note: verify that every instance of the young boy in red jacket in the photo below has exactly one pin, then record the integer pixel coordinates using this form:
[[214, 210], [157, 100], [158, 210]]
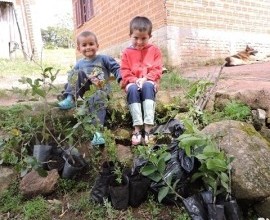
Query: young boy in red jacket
[[141, 70]]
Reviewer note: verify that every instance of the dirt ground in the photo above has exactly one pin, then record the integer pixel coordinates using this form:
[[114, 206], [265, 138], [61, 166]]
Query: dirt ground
[[251, 77]]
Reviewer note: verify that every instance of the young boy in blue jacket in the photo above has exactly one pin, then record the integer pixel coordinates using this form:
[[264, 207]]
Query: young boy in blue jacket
[[94, 70]]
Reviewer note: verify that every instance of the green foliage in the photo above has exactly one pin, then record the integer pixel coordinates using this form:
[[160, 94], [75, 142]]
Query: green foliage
[[68, 186], [155, 169], [196, 91], [60, 35], [10, 200], [82, 205], [172, 80], [167, 112], [36, 208], [19, 67], [215, 165], [14, 145], [42, 86], [236, 110], [119, 174], [55, 37]]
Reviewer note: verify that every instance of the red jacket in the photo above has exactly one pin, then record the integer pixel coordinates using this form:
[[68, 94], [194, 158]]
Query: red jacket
[[141, 63]]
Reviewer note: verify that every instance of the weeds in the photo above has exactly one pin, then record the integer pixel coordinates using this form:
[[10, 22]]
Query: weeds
[[173, 80], [11, 200], [236, 110], [68, 186], [36, 209]]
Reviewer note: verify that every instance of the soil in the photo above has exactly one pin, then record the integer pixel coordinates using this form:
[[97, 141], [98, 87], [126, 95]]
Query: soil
[[245, 77]]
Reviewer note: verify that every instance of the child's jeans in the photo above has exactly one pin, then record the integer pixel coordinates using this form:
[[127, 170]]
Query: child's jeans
[[77, 86], [141, 103]]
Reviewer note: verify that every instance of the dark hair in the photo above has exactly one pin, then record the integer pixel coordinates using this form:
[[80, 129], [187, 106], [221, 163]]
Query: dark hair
[[86, 34], [141, 24]]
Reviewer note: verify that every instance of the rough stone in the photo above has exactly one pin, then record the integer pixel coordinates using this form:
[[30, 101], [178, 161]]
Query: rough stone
[[33, 184], [251, 173], [124, 153]]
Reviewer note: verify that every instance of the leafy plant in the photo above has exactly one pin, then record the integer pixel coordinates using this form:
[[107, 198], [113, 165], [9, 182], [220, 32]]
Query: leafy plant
[[155, 169], [214, 164], [42, 86], [195, 93], [119, 174], [14, 150]]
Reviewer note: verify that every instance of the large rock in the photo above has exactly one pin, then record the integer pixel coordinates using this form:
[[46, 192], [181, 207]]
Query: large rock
[[7, 176], [33, 184], [251, 173]]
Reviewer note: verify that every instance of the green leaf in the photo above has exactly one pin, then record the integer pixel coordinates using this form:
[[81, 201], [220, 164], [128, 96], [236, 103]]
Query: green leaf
[[155, 177], [148, 169], [211, 148], [224, 177], [225, 185], [48, 69], [165, 156], [162, 193], [161, 166], [40, 92], [210, 181], [29, 81], [216, 165], [201, 156]]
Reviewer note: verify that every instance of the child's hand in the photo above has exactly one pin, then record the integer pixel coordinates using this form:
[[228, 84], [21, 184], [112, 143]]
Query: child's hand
[[95, 81], [140, 82]]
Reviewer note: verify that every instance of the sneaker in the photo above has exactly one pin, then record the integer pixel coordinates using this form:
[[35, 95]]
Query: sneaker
[[98, 139], [136, 138], [66, 104], [149, 138]]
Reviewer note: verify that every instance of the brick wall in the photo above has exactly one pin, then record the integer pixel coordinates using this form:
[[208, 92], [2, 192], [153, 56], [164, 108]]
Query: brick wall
[[252, 16], [212, 29], [188, 31], [111, 20]]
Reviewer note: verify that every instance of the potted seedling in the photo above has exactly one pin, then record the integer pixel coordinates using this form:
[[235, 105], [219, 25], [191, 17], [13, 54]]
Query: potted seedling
[[74, 163], [119, 188], [163, 177], [214, 171], [41, 87], [138, 184]]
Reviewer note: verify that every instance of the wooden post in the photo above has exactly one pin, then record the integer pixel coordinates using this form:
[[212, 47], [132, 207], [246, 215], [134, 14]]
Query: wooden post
[[20, 33]]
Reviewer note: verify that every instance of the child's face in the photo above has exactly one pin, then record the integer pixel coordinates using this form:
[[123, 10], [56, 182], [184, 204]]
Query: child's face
[[140, 39], [87, 46]]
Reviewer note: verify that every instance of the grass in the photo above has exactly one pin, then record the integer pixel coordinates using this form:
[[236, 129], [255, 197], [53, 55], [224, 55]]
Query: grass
[[61, 59], [36, 208], [172, 80]]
